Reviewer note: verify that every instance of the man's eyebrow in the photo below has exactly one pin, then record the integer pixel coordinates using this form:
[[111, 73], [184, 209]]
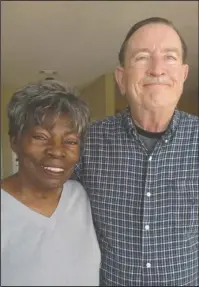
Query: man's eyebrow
[[146, 50], [175, 50], [135, 52]]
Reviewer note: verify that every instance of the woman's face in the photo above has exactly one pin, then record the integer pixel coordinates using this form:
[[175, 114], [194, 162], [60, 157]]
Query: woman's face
[[48, 153]]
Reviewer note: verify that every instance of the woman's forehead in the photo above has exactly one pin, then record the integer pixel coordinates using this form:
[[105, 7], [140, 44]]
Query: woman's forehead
[[50, 120]]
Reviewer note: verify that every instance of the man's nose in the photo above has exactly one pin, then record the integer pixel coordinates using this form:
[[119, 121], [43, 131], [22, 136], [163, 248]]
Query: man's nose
[[156, 67]]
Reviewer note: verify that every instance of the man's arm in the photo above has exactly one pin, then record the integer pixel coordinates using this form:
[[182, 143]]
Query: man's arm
[[76, 175]]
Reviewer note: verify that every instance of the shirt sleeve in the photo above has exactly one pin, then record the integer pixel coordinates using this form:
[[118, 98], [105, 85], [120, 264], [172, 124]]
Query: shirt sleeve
[[76, 175]]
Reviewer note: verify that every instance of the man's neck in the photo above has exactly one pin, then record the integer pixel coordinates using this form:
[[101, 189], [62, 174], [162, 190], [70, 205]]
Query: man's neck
[[152, 121]]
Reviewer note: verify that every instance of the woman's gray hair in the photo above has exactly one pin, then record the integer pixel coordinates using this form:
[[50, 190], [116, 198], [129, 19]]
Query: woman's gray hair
[[30, 105]]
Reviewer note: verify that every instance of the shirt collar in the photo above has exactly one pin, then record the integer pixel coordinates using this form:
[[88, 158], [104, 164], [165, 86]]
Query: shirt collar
[[130, 128]]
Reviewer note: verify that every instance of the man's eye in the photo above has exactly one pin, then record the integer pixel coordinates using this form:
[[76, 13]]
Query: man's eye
[[143, 57], [170, 57]]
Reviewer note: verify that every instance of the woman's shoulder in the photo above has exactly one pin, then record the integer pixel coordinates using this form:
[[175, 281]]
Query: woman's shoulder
[[74, 184], [9, 184], [73, 189]]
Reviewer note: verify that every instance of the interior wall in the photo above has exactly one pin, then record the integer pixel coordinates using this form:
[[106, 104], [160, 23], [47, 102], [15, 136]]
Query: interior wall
[[120, 101], [93, 94], [189, 102], [5, 143], [110, 94], [100, 96]]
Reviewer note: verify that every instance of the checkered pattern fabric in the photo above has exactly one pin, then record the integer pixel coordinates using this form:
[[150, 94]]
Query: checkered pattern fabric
[[145, 206]]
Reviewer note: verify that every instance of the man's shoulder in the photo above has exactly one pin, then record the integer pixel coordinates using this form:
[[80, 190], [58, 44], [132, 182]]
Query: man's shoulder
[[189, 121], [109, 123]]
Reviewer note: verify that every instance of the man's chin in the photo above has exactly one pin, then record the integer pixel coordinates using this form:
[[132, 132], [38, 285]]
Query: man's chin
[[160, 105]]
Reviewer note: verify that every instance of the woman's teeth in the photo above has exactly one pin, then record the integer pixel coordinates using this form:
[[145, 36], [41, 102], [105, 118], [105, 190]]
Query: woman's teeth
[[54, 169]]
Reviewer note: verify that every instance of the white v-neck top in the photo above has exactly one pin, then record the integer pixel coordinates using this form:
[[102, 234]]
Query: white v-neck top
[[60, 250]]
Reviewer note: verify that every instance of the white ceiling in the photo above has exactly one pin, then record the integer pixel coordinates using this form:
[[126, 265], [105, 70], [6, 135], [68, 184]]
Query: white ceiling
[[81, 39]]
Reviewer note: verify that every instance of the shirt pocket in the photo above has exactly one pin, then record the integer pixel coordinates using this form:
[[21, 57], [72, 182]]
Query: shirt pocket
[[187, 203]]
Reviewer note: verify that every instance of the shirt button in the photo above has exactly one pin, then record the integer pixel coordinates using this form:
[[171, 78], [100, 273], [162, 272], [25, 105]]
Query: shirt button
[[166, 141], [148, 265], [148, 194], [147, 227], [150, 158]]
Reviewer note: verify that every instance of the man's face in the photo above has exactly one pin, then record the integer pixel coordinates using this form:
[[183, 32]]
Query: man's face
[[48, 153], [153, 74]]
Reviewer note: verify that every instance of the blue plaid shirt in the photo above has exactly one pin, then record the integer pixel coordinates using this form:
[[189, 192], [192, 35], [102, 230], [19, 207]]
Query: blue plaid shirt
[[145, 206]]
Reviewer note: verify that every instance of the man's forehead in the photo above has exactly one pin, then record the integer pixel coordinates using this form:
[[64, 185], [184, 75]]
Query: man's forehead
[[155, 33], [154, 37]]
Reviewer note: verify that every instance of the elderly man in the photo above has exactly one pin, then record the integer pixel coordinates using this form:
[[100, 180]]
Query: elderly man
[[141, 167]]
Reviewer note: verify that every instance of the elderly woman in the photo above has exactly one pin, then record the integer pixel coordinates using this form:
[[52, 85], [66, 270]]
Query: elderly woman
[[47, 233]]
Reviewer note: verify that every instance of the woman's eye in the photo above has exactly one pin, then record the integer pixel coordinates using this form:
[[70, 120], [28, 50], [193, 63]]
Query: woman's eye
[[40, 137], [71, 142]]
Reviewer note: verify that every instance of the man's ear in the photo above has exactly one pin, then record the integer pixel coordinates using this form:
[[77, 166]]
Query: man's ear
[[119, 76], [186, 71]]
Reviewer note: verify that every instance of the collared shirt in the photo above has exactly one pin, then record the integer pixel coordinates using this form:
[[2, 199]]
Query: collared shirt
[[144, 206], [149, 138]]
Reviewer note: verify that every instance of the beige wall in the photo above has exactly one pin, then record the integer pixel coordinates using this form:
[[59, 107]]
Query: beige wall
[[120, 101], [100, 96], [6, 151], [189, 102]]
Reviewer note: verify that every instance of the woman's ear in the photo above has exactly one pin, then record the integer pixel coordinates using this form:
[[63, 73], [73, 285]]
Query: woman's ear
[[13, 144]]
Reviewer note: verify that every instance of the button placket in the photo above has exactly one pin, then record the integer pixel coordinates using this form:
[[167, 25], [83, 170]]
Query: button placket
[[146, 218]]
